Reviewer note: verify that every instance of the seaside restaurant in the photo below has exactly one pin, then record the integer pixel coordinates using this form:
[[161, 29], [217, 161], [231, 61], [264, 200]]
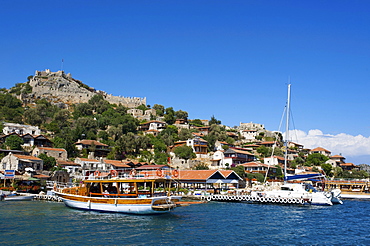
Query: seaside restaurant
[[215, 180]]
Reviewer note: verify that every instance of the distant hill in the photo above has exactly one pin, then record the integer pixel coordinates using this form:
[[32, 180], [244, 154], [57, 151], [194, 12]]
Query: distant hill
[[60, 88]]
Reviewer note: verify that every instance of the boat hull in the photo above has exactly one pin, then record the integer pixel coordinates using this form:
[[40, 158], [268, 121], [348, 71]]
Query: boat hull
[[355, 196], [18, 198], [155, 205]]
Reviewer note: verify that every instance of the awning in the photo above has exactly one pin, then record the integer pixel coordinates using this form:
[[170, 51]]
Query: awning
[[32, 179]]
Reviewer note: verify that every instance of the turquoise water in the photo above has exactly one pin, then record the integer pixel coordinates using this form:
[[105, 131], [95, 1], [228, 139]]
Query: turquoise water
[[214, 223]]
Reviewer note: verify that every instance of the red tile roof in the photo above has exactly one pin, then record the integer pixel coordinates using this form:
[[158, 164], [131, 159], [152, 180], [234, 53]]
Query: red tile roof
[[90, 142], [196, 174], [53, 149], [116, 163], [88, 160], [320, 149], [27, 157]]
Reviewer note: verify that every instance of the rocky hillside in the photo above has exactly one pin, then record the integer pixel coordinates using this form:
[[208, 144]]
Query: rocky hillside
[[60, 88]]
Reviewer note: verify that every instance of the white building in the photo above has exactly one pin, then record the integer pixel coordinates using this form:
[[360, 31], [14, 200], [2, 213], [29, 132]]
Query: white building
[[20, 129]]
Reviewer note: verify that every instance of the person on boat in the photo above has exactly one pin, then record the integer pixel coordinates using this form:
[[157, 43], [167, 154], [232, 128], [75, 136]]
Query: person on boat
[[106, 193], [112, 189]]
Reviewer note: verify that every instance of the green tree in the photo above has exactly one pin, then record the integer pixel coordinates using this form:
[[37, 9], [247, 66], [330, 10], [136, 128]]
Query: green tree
[[181, 115], [159, 109], [196, 122], [49, 161], [239, 170], [316, 159], [260, 178], [11, 109], [337, 172], [169, 117], [263, 151], [216, 132], [142, 107], [14, 142], [214, 121], [327, 169], [297, 162], [184, 152], [185, 134], [82, 110]]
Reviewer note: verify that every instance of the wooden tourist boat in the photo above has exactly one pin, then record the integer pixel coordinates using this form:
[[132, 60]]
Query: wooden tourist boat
[[137, 194], [350, 189]]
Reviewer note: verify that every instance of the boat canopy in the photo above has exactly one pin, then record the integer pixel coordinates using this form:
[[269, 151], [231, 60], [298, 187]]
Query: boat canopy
[[304, 176]]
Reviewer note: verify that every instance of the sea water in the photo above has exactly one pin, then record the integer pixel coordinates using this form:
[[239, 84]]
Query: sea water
[[213, 223]]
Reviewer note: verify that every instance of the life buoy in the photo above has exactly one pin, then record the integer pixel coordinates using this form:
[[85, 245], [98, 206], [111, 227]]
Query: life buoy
[[159, 173], [146, 174], [96, 173], [175, 173], [114, 173], [133, 172]]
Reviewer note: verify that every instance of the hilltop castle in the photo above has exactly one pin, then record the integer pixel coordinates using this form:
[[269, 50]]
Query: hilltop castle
[[60, 88]]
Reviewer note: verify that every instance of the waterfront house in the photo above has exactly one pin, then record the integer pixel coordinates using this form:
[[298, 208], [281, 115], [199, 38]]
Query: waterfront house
[[21, 162], [208, 179]]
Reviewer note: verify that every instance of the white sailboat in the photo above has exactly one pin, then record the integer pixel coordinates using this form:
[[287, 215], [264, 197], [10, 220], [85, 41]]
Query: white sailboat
[[306, 192]]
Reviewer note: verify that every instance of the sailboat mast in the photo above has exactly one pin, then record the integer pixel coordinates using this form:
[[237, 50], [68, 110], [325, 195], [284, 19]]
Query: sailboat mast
[[287, 134]]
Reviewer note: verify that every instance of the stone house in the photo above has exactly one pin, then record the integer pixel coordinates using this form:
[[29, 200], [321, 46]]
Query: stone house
[[57, 153], [21, 162]]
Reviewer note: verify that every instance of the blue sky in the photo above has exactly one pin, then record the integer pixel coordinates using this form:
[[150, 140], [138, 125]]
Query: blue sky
[[230, 59]]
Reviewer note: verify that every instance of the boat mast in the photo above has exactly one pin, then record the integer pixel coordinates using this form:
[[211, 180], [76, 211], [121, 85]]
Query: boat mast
[[287, 135]]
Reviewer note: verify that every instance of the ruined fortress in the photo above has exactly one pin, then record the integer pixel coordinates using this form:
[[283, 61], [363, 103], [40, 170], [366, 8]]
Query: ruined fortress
[[60, 88]]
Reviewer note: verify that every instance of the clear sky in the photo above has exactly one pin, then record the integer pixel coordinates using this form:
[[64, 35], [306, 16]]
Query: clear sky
[[231, 59]]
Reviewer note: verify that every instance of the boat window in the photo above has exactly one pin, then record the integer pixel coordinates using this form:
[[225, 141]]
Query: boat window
[[127, 188], [109, 188]]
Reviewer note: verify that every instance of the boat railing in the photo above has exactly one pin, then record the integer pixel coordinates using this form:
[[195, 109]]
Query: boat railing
[[51, 184], [146, 174]]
